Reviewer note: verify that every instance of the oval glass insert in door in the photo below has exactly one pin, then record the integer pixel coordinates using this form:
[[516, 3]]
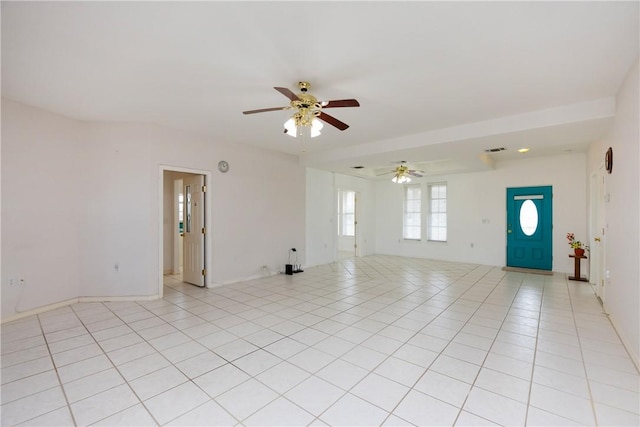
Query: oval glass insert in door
[[528, 217]]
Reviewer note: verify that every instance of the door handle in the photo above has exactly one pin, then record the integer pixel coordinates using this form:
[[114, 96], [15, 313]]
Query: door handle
[[597, 239]]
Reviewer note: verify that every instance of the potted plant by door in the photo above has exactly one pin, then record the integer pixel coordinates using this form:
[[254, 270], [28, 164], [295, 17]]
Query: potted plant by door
[[577, 246]]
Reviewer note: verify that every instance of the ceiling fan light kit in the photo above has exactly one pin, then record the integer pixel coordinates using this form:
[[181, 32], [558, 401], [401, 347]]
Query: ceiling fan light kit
[[402, 172], [308, 117], [400, 176], [303, 124], [401, 179]]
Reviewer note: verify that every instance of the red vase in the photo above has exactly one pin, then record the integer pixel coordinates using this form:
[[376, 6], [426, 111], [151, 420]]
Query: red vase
[[579, 251]]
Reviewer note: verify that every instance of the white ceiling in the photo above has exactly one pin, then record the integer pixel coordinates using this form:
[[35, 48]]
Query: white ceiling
[[438, 82]]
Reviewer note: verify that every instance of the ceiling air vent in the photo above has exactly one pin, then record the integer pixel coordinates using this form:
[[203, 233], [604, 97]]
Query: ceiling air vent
[[357, 167], [494, 150]]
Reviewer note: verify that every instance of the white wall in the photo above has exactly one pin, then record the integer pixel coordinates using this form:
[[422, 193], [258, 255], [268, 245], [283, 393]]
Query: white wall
[[79, 198], [322, 241], [41, 208], [476, 204], [320, 222], [622, 213]]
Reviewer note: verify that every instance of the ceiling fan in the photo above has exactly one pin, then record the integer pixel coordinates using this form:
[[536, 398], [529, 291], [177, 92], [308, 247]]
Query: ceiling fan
[[401, 173], [308, 110]]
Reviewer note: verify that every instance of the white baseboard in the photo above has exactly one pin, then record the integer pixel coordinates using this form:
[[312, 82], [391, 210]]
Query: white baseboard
[[38, 310], [635, 358], [116, 299], [244, 279], [56, 305]]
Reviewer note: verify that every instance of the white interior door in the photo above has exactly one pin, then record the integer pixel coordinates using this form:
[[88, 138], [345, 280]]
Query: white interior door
[[194, 270], [597, 246]]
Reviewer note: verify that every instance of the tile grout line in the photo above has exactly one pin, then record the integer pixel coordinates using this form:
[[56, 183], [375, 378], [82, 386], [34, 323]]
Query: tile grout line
[[55, 368], [490, 347], [535, 354], [584, 366]]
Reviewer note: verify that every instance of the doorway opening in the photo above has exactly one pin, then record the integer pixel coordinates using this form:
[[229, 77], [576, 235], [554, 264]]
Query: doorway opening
[[347, 214], [184, 246]]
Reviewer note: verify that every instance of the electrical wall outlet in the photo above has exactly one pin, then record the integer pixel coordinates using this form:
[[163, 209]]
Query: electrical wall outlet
[[16, 282]]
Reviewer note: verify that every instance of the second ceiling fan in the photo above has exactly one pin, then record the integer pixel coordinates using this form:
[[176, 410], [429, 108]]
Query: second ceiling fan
[[401, 173], [308, 110]]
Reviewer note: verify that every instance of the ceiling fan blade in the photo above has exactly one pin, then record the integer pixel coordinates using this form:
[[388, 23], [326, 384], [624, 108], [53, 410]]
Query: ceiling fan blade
[[417, 175], [340, 103], [332, 121], [386, 173], [286, 92], [264, 110]]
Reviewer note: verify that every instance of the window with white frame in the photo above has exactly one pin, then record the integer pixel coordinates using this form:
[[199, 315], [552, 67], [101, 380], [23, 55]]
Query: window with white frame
[[412, 221], [346, 213], [437, 214]]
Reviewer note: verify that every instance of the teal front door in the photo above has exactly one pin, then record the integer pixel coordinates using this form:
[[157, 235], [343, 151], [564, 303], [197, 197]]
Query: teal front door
[[529, 227]]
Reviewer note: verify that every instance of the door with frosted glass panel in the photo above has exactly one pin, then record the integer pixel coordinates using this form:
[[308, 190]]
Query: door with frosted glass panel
[[530, 227]]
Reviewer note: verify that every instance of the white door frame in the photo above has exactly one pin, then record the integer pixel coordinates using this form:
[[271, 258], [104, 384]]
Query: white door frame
[[207, 215]]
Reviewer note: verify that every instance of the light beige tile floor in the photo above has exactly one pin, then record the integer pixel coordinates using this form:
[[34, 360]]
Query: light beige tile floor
[[368, 341]]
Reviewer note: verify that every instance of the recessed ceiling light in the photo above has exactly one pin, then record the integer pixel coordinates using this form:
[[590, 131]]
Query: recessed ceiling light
[[523, 150]]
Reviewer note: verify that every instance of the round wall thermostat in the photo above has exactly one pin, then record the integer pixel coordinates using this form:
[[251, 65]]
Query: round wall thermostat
[[223, 166]]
